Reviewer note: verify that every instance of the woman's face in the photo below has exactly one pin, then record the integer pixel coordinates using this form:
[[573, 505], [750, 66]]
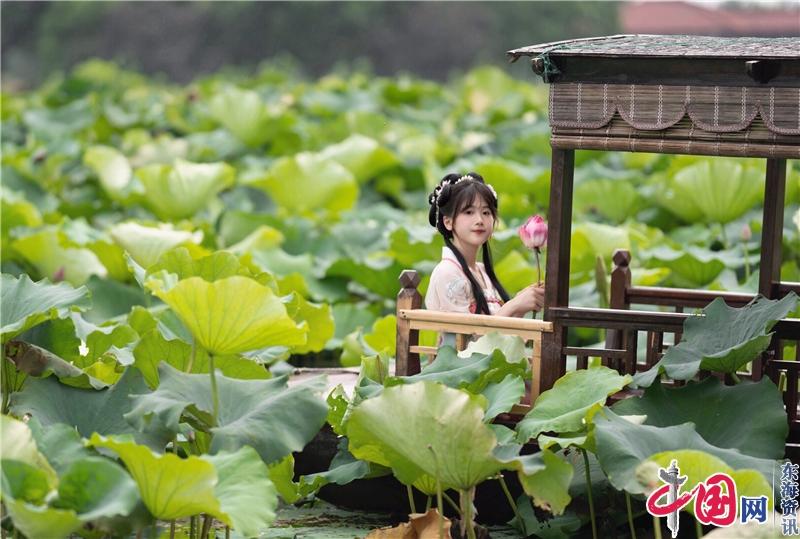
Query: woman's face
[[473, 226]]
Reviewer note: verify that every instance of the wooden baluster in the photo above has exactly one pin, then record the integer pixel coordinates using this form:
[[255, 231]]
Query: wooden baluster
[[631, 347], [620, 283], [408, 298], [678, 334], [536, 368], [771, 244], [655, 342], [462, 341], [582, 361], [562, 167]]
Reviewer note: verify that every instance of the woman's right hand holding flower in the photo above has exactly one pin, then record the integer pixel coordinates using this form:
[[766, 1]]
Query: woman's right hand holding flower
[[530, 298]]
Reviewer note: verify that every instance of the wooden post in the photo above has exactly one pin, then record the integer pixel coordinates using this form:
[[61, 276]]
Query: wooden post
[[407, 363], [557, 278], [536, 368], [620, 282], [771, 245]]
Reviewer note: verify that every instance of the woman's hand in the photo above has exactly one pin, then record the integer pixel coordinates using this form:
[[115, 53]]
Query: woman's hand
[[530, 298]]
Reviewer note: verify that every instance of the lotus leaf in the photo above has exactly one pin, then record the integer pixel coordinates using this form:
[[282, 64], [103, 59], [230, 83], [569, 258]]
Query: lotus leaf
[[725, 339], [565, 407], [503, 396], [113, 170], [294, 183], [544, 476], [147, 243], [716, 411], [96, 487], [179, 191], [53, 256], [616, 200], [170, 487], [698, 466], [180, 261], [27, 303], [425, 428], [59, 443], [245, 115], [35, 361], [40, 520], [713, 190], [511, 346], [348, 317], [473, 373], [382, 338], [361, 155], [111, 299], [87, 410], [691, 266], [378, 274], [516, 272], [268, 415], [252, 508], [623, 445], [232, 315], [153, 349], [318, 319], [17, 444]]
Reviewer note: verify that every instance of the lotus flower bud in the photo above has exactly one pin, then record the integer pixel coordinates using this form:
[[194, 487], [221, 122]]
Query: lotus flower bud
[[747, 234], [534, 232]]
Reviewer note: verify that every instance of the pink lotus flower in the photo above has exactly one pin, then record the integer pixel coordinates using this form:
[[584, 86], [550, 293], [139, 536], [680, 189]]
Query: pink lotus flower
[[534, 233]]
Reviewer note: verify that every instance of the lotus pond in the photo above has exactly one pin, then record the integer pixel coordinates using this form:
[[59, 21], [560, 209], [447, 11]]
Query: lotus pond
[[171, 254]]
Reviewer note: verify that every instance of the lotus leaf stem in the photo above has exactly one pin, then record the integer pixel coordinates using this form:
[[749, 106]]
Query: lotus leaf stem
[[452, 502], [411, 504], [227, 532], [192, 526], [589, 491], [192, 356], [428, 504], [207, 521], [511, 502], [698, 528], [439, 492], [172, 529], [214, 394], [630, 515], [657, 527], [735, 378], [467, 526]]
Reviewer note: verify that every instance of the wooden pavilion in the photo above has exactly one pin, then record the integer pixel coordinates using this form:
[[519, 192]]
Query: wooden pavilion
[[737, 97]]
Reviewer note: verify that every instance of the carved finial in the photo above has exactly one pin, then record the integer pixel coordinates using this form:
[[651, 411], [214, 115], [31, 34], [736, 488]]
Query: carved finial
[[409, 279], [622, 257]]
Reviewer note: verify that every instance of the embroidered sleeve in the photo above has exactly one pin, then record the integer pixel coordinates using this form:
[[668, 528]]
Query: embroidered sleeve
[[449, 290]]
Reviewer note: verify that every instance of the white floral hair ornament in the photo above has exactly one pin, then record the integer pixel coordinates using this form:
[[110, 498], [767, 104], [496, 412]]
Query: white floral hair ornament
[[433, 199]]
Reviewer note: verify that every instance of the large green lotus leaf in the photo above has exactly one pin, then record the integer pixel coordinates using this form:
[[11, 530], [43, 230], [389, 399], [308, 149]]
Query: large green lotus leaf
[[170, 486], [412, 243], [361, 155], [180, 261], [274, 418], [308, 182], [317, 317], [502, 396], [623, 445], [179, 191], [715, 190], [245, 115], [565, 406], [59, 443], [111, 299], [617, 200], [41, 520], [146, 244], [51, 402], [232, 315], [17, 443], [249, 509], [50, 252], [98, 339], [544, 475], [27, 303], [96, 487], [724, 340], [425, 428], [349, 317], [36, 361], [691, 265], [472, 373], [113, 170], [717, 411], [511, 346], [16, 211], [590, 240], [153, 349], [377, 275], [516, 271], [262, 238], [383, 336], [698, 466]]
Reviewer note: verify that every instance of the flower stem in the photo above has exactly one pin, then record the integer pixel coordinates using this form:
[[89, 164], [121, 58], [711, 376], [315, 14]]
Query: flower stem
[[511, 502], [411, 503], [589, 491], [657, 527], [538, 266], [214, 394], [630, 514]]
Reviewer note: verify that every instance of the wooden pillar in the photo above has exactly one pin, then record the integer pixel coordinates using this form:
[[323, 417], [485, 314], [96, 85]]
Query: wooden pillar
[[771, 243], [558, 250], [620, 282], [408, 298]]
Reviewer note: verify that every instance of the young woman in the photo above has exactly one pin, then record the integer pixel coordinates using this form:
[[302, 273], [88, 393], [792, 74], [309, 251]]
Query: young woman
[[464, 210]]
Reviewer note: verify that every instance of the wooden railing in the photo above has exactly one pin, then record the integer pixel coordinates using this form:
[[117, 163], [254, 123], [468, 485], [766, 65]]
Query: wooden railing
[[411, 319]]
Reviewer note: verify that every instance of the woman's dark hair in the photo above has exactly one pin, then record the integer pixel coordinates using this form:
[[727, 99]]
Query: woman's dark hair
[[453, 194]]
